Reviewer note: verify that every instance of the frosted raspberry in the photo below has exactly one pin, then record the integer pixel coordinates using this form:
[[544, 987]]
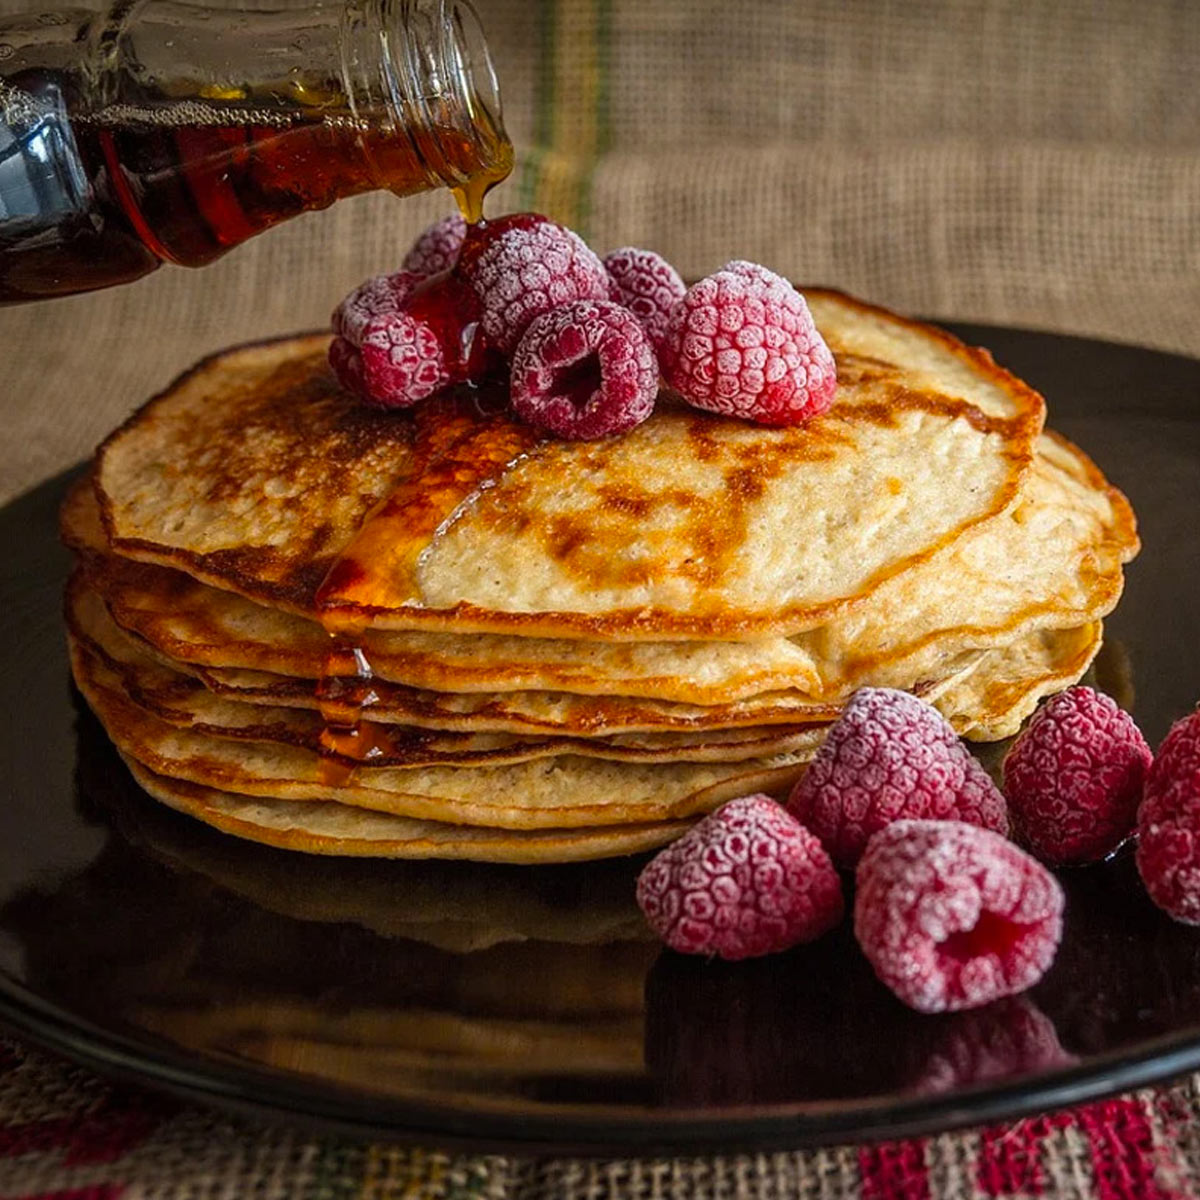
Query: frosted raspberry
[[377, 297], [403, 338], [436, 250], [647, 285], [952, 916], [889, 756], [748, 880], [752, 270], [347, 366], [524, 265], [402, 361], [742, 342], [1168, 854], [585, 370], [1074, 777]]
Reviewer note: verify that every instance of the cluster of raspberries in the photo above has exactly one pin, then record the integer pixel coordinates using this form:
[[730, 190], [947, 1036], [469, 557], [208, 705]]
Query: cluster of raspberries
[[584, 341], [949, 911]]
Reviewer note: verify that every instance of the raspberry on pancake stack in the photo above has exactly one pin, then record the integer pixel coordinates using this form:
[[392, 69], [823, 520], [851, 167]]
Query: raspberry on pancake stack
[[473, 581]]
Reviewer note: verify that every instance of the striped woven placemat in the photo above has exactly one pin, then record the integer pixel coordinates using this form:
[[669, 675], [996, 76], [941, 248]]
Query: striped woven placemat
[[67, 1135]]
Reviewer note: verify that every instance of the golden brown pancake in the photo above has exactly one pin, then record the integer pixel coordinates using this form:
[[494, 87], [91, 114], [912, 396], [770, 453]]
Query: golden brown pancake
[[257, 474], [552, 651], [559, 793], [331, 828], [1054, 561], [183, 700]]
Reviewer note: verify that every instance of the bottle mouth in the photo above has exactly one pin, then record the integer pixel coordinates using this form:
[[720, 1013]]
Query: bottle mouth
[[453, 92], [421, 70], [465, 51]]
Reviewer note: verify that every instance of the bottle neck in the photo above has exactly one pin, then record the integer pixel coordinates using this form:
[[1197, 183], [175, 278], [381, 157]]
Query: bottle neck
[[413, 76], [425, 65], [163, 130]]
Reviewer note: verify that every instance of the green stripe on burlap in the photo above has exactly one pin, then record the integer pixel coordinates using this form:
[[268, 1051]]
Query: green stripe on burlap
[[572, 126], [338, 1171]]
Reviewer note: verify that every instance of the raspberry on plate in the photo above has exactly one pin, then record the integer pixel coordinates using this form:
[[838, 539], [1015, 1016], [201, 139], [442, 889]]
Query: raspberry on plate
[[437, 249], [1074, 777], [647, 285], [742, 342], [522, 266], [747, 880], [1168, 853], [585, 370], [952, 916], [889, 756]]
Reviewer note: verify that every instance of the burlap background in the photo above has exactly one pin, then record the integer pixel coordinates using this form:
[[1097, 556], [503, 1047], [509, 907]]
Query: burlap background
[[1032, 163]]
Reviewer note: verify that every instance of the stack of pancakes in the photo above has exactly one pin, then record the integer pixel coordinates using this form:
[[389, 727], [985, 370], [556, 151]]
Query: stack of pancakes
[[437, 633]]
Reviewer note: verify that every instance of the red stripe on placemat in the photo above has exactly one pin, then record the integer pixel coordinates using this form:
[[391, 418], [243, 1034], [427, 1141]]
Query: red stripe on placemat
[[1124, 1155], [114, 1127], [35, 1136], [103, 1191], [1010, 1157], [895, 1171]]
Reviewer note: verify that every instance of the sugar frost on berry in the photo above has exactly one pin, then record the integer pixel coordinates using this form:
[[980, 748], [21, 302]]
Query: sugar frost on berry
[[889, 756], [1168, 854], [437, 249], [742, 342], [747, 880], [524, 266], [584, 370], [1074, 777], [952, 916], [647, 285]]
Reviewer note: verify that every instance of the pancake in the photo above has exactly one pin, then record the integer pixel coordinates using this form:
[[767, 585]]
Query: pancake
[[193, 622], [560, 713], [552, 651], [256, 474], [331, 828], [183, 701], [994, 702], [334, 828], [563, 792], [1054, 561]]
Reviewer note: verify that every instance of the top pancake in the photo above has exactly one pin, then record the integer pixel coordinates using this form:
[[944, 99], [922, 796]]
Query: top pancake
[[255, 473]]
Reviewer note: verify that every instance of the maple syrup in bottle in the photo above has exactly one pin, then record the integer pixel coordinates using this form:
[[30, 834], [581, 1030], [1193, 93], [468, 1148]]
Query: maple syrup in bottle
[[161, 131]]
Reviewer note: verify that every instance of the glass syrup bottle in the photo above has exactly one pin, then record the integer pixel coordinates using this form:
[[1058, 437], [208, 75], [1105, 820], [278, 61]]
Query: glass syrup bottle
[[162, 131]]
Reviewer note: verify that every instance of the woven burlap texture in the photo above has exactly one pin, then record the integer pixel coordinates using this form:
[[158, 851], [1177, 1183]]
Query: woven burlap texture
[[66, 1135], [1030, 164], [1033, 164]]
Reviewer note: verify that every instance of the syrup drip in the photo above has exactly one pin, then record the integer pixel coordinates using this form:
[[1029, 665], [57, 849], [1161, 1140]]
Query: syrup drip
[[471, 193], [471, 442], [344, 691], [463, 446]]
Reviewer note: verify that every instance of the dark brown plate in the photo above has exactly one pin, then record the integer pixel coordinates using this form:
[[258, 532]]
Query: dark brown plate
[[447, 1003]]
